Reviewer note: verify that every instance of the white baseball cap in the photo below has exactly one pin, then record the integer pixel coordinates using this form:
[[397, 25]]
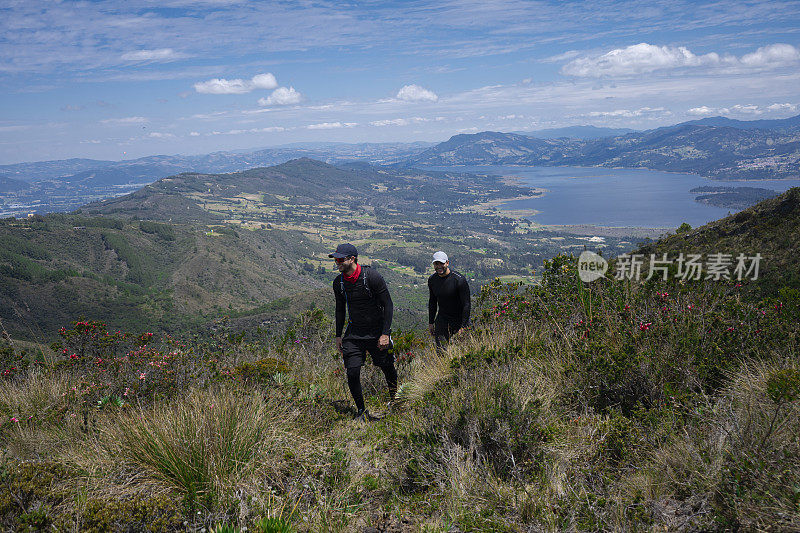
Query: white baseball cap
[[440, 257]]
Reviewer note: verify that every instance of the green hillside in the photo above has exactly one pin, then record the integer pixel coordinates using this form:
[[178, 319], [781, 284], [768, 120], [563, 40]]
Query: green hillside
[[138, 274], [615, 407], [769, 228]]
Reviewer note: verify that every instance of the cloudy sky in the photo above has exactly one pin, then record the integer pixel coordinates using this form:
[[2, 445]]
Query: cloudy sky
[[117, 80]]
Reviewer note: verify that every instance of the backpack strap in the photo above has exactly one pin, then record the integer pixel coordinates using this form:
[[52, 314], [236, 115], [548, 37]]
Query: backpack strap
[[364, 270], [366, 283], [344, 292]]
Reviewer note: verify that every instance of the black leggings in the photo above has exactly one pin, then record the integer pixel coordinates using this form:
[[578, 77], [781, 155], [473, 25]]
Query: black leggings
[[354, 382]]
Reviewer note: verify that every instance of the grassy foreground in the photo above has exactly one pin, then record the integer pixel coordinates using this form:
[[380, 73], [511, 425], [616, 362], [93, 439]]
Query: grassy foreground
[[613, 406]]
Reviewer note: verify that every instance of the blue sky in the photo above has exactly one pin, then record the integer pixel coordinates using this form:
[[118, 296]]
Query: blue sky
[[117, 80]]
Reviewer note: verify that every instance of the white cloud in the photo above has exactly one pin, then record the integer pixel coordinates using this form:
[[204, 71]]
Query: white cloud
[[702, 111], [210, 116], [159, 135], [782, 107], [331, 125], [628, 113], [161, 54], [390, 122], [264, 81], [772, 56], [124, 121], [415, 93], [399, 121], [644, 58], [236, 86], [281, 96], [194, 134], [90, 141], [268, 129], [637, 59], [747, 109], [560, 57], [741, 109]]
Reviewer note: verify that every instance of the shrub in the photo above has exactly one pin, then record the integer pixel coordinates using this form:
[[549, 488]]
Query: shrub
[[138, 513], [261, 371], [29, 491], [162, 231], [200, 445]]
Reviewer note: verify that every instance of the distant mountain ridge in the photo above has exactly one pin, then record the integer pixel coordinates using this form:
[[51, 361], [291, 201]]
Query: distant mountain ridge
[[151, 168], [576, 132], [782, 125], [722, 152]]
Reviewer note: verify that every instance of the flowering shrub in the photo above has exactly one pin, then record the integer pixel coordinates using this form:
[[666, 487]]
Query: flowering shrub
[[117, 369], [682, 337], [13, 363]]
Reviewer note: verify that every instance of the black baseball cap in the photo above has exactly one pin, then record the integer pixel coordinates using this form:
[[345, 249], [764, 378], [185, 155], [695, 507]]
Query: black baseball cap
[[344, 250]]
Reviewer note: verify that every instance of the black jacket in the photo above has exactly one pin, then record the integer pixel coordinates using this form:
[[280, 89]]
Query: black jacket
[[367, 304], [451, 295]]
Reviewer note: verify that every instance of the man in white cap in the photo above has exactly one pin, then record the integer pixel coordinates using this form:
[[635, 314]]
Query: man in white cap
[[449, 294]]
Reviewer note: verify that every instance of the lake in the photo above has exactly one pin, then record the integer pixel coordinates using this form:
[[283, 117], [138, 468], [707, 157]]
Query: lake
[[616, 197]]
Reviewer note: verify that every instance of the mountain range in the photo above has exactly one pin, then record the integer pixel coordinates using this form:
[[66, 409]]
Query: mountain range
[[151, 168], [576, 132], [716, 148]]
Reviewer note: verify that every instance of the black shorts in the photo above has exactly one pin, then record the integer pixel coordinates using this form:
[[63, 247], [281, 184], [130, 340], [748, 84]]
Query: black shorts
[[354, 352], [443, 328]]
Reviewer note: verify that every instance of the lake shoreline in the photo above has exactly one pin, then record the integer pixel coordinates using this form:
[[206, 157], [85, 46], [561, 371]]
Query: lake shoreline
[[606, 197], [715, 179]]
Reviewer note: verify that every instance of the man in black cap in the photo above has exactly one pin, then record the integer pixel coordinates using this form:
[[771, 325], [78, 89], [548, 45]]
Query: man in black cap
[[449, 291], [362, 294]]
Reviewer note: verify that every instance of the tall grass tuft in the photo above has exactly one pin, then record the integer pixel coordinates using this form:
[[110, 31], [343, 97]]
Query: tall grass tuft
[[202, 444]]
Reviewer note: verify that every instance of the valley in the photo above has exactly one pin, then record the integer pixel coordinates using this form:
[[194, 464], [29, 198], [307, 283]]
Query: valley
[[253, 246]]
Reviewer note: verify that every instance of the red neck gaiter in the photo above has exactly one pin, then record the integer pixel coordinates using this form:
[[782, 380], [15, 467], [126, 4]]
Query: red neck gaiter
[[354, 276]]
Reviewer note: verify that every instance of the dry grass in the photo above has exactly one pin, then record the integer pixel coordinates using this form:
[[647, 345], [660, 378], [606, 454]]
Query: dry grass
[[535, 420], [43, 424], [204, 445]]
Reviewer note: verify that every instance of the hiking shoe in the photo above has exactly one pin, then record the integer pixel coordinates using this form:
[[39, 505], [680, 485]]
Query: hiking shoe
[[365, 416]]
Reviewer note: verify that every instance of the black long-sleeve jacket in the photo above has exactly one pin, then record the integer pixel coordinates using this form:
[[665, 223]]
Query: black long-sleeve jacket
[[451, 295], [366, 302]]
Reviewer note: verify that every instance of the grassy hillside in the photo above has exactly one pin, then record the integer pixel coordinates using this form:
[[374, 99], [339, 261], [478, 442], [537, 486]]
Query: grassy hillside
[[619, 407], [201, 245], [138, 274], [769, 228]]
